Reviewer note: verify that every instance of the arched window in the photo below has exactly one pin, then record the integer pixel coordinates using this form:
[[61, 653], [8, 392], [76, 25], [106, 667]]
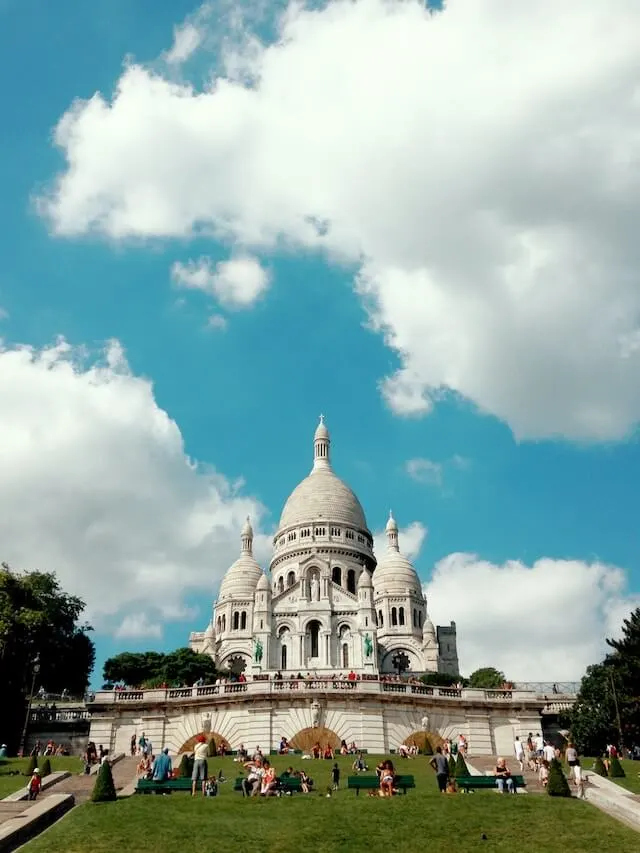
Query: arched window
[[351, 581], [218, 624], [224, 623], [314, 638], [380, 619], [243, 620], [283, 658], [415, 618], [345, 656], [394, 616], [280, 584], [336, 575], [236, 620], [291, 579], [401, 615]]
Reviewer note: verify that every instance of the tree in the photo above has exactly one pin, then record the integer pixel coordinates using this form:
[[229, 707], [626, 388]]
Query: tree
[[31, 765], [212, 750], [150, 669], [104, 791], [557, 785], [45, 768], [616, 771], [185, 770], [440, 679], [487, 678], [461, 766], [607, 709], [37, 618], [599, 768], [452, 766]]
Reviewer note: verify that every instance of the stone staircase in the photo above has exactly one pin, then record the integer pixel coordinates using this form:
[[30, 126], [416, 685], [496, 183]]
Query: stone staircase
[[487, 763], [81, 786]]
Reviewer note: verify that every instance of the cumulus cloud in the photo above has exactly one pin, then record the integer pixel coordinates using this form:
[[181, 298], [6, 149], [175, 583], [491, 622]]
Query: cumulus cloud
[[479, 165], [186, 40], [424, 471], [410, 539], [217, 322], [236, 283], [97, 487], [545, 622]]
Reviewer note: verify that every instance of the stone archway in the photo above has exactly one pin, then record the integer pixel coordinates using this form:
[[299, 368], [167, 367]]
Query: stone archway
[[307, 738], [425, 741], [189, 745]]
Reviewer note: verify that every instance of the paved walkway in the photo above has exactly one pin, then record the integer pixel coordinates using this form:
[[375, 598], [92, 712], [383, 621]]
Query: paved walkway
[[81, 786]]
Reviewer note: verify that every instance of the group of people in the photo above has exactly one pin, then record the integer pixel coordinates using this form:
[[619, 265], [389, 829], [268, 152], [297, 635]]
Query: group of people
[[49, 749], [261, 778]]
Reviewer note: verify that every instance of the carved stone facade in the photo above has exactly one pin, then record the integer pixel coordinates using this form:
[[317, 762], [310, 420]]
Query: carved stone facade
[[326, 604]]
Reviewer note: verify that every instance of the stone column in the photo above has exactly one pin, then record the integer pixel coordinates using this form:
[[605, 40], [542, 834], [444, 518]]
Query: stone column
[[326, 635]]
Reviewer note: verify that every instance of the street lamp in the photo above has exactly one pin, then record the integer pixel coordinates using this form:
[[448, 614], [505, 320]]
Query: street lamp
[[36, 670]]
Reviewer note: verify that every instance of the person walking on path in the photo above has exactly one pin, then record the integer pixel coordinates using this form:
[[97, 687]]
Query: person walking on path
[[518, 748], [440, 764]]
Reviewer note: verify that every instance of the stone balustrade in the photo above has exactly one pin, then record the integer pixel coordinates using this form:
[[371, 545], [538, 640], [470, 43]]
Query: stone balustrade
[[370, 686]]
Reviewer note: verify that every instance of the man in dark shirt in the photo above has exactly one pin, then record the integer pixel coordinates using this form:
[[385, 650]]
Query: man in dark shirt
[[440, 764]]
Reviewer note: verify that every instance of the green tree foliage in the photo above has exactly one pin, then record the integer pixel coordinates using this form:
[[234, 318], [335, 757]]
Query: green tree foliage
[[45, 768], [150, 669], [599, 768], [104, 791], [440, 679], [557, 785], [461, 768], [452, 766], [31, 766], [487, 678], [593, 720], [616, 771], [37, 618], [185, 770], [212, 751]]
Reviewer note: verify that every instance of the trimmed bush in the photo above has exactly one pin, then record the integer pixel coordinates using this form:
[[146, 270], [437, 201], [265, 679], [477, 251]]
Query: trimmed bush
[[212, 751], [557, 786], [461, 768], [185, 769], [427, 749], [452, 766], [616, 770], [104, 791], [599, 768], [31, 766], [45, 768]]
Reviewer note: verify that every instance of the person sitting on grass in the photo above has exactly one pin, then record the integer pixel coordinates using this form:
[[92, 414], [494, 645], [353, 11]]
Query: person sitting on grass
[[35, 784], [251, 785], [503, 777], [143, 770], [359, 764], [328, 752], [387, 778], [211, 787], [316, 750], [268, 783], [306, 783], [451, 787]]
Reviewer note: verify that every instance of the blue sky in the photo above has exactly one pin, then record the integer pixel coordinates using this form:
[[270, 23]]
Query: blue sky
[[534, 458]]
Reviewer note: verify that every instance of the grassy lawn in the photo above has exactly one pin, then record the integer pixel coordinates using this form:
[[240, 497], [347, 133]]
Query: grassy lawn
[[421, 820], [9, 784], [632, 768]]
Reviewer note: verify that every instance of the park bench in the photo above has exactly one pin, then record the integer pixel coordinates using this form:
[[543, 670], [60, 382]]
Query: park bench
[[371, 783], [469, 783], [148, 786], [290, 784], [289, 752]]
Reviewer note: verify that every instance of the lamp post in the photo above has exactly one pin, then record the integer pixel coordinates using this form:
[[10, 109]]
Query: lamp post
[[36, 670]]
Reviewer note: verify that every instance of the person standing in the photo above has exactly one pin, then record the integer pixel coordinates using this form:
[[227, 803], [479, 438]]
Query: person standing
[[440, 764], [574, 763], [335, 777], [518, 748], [199, 773]]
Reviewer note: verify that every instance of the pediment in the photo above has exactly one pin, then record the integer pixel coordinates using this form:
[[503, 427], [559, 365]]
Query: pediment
[[315, 560], [289, 599], [342, 599]]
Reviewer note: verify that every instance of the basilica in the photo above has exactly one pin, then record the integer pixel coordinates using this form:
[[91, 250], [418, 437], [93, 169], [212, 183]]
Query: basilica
[[326, 605]]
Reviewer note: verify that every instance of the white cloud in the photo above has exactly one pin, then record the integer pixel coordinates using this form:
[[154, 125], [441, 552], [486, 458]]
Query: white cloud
[[480, 165], [424, 471], [4, 314], [96, 486], [218, 322], [137, 626], [186, 40], [410, 539], [545, 622], [236, 283]]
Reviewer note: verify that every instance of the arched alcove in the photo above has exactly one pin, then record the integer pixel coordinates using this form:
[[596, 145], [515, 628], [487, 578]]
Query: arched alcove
[[307, 738], [189, 745], [422, 739]]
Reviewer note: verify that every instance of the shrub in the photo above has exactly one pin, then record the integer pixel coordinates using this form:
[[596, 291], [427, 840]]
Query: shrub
[[427, 749], [616, 771], [452, 766], [212, 751], [185, 769], [599, 768], [45, 768], [557, 786], [461, 768], [31, 766], [104, 791]]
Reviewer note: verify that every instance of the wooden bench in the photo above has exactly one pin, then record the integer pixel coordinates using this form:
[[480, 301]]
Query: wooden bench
[[288, 784], [371, 783], [148, 786], [469, 783]]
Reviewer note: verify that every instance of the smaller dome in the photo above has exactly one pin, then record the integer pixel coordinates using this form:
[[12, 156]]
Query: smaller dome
[[263, 584], [395, 574], [241, 579], [428, 628], [247, 529], [364, 581], [392, 524], [321, 430]]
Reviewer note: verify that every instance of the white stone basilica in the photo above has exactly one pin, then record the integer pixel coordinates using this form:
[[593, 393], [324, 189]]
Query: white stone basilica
[[326, 604]]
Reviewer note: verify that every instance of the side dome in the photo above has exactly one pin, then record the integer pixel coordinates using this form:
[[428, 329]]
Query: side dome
[[322, 496], [394, 572], [242, 577], [263, 584]]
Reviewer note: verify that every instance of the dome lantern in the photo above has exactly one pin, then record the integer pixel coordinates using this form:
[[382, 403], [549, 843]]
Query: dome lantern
[[321, 445]]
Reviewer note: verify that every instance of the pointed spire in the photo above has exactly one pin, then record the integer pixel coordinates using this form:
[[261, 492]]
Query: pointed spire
[[246, 537], [321, 444], [392, 533]]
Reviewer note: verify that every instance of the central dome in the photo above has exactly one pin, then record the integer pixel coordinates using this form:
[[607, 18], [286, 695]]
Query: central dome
[[322, 496]]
